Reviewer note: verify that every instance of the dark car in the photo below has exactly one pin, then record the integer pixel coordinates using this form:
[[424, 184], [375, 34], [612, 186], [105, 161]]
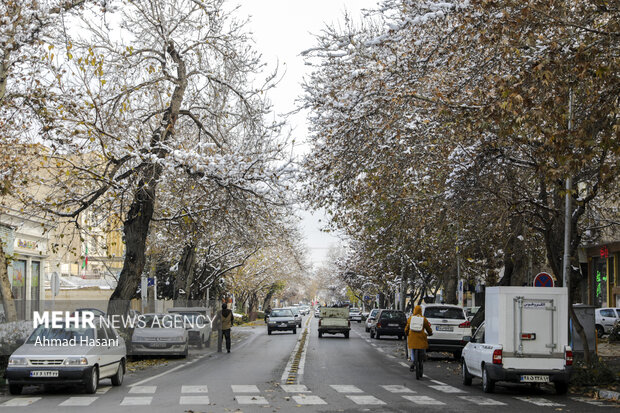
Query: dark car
[[389, 323]]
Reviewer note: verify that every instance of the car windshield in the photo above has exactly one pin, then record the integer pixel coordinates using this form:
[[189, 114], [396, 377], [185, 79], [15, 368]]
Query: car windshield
[[64, 333], [295, 310], [393, 315], [450, 313], [354, 310], [281, 313]]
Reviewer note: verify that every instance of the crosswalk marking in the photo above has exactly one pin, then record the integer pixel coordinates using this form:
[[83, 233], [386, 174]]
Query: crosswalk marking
[[539, 401], [103, 390], [249, 399], [244, 388], [346, 388], [295, 388], [423, 400], [78, 401], [308, 399], [20, 401], [447, 389], [194, 400], [380, 349], [142, 389], [194, 389], [390, 356], [397, 388], [482, 401], [439, 382], [365, 399], [402, 363], [591, 401], [137, 401]]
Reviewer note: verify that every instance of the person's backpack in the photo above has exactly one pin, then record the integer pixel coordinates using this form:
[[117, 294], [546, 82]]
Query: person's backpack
[[417, 323]]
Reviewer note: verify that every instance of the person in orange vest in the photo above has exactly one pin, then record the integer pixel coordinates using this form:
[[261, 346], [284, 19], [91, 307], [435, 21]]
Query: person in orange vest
[[415, 329]]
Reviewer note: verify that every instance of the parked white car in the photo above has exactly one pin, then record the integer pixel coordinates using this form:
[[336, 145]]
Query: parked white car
[[605, 318], [355, 314], [160, 334], [450, 326], [68, 355], [372, 318], [197, 324]]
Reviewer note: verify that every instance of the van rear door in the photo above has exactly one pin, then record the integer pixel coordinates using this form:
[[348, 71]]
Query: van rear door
[[536, 326]]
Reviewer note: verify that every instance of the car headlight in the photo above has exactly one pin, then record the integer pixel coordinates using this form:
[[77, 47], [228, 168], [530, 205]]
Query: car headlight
[[75, 361], [180, 338], [17, 361]]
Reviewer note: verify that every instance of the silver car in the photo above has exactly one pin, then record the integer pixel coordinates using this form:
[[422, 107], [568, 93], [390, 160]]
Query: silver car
[[372, 318], [68, 355], [281, 319], [296, 314], [197, 324], [160, 334]]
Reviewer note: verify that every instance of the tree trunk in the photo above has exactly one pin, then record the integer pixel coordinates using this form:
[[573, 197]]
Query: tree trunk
[[10, 312], [450, 286], [184, 278]]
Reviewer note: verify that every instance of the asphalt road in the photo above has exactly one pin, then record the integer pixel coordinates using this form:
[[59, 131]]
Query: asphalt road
[[331, 374]]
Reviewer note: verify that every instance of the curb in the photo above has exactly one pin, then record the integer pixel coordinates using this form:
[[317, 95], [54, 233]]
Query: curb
[[608, 394]]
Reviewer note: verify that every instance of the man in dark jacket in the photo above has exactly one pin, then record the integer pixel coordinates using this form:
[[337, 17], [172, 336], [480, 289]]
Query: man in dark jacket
[[227, 319]]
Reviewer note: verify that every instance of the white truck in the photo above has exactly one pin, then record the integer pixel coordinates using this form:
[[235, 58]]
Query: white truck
[[523, 339], [334, 320]]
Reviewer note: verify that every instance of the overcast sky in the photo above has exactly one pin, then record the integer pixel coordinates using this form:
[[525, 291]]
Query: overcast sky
[[282, 30]]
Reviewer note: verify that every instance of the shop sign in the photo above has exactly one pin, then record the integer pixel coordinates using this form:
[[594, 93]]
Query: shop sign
[[604, 252], [26, 244]]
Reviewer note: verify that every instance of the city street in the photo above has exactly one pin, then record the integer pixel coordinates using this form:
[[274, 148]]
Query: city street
[[331, 374]]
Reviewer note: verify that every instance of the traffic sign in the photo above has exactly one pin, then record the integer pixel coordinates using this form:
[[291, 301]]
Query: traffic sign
[[543, 280]]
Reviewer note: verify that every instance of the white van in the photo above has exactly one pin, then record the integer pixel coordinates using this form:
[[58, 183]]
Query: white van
[[524, 339]]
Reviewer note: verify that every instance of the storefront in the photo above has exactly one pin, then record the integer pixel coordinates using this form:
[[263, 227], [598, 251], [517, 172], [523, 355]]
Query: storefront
[[25, 242], [603, 288]]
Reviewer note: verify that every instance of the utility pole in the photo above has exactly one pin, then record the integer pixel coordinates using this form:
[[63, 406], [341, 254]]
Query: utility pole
[[567, 205]]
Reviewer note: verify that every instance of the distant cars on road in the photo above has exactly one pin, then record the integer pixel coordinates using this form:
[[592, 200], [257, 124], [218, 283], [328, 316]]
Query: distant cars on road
[[281, 319], [355, 314], [68, 355], [389, 323], [197, 324], [296, 314]]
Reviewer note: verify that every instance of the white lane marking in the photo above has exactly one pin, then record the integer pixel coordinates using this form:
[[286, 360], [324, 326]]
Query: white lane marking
[[390, 356], [482, 401], [194, 389], [251, 400], [591, 401], [365, 399], [346, 388], [103, 390], [447, 389], [137, 401], [142, 389], [439, 382], [308, 399], [287, 369], [295, 388], [402, 363], [244, 388], [539, 401], [423, 400], [373, 344], [397, 388], [194, 400], [380, 349], [78, 401], [20, 401], [302, 361]]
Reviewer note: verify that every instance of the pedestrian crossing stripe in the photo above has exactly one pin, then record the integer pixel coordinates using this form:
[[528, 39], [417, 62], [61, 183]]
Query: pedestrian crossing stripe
[[295, 388], [142, 389], [184, 400], [305, 399], [78, 401], [194, 389], [137, 401], [447, 389], [251, 399], [424, 400], [20, 401], [482, 401], [244, 388], [346, 388], [365, 399], [538, 401], [397, 388]]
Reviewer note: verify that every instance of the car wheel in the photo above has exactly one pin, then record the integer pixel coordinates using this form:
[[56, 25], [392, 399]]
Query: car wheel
[[15, 389], [600, 331], [117, 379], [561, 387], [93, 381], [346, 335], [320, 334], [457, 355], [466, 376], [372, 334], [269, 331], [488, 385], [295, 331]]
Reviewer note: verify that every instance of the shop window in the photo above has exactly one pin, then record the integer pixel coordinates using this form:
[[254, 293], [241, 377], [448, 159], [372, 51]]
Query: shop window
[[600, 282]]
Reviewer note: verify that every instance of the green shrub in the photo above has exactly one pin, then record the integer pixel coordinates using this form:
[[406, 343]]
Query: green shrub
[[614, 335], [597, 373]]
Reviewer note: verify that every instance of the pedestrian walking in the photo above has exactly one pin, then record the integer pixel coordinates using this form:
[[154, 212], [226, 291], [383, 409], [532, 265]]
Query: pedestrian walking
[[416, 335], [227, 320], [267, 313]]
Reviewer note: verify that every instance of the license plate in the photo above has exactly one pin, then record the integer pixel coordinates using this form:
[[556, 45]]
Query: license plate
[[392, 325], [444, 328], [534, 379], [283, 325], [158, 345], [44, 373]]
